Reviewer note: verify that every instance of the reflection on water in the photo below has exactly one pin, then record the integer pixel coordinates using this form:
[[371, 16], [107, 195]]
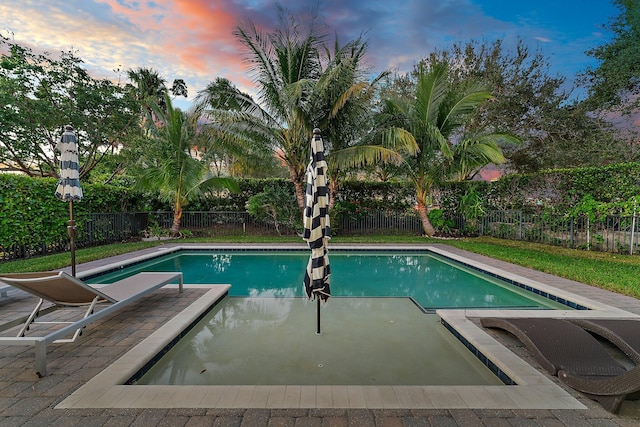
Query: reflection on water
[[424, 277], [365, 341]]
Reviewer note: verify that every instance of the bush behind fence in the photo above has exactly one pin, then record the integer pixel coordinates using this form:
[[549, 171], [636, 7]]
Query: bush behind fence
[[618, 234]]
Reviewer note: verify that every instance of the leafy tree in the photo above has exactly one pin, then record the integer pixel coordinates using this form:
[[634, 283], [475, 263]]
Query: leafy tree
[[433, 122], [534, 105], [169, 167], [39, 94], [615, 82]]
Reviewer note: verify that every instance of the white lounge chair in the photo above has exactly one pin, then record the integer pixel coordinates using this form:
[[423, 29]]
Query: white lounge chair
[[65, 291]]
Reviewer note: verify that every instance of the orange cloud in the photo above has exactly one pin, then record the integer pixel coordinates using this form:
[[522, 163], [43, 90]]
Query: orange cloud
[[194, 39]]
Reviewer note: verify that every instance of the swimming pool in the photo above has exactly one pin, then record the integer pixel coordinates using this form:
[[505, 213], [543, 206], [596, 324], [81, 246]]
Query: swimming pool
[[244, 339], [430, 280], [271, 341]]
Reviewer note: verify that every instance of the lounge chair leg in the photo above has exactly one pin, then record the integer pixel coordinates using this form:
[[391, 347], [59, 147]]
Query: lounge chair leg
[[41, 358], [78, 331], [31, 318]]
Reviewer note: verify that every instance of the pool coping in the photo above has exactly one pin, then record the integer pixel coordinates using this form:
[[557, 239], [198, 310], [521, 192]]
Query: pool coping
[[534, 389]]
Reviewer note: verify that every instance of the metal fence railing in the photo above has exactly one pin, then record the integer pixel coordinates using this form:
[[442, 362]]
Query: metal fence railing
[[618, 234], [613, 233], [380, 222]]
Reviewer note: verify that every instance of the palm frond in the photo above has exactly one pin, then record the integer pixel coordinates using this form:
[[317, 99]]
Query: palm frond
[[400, 140], [431, 90], [363, 155], [460, 107]]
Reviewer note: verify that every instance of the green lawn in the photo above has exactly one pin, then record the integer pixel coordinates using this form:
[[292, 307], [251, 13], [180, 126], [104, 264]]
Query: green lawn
[[618, 273]]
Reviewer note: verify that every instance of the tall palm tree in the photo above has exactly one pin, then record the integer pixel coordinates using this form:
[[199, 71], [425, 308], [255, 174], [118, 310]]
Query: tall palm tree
[[342, 99], [168, 166], [433, 121], [147, 84], [179, 88], [286, 64], [228, 121], [302, 85]]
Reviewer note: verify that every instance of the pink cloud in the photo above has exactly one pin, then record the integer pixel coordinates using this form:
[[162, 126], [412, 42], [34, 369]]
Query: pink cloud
[[194, 36]]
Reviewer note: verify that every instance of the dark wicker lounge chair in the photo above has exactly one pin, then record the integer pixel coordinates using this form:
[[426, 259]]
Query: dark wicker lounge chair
[[624, 333], [575, 356]]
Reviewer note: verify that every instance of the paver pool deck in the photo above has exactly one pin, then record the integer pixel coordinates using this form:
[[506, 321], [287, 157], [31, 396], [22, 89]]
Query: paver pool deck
[[26, 400]]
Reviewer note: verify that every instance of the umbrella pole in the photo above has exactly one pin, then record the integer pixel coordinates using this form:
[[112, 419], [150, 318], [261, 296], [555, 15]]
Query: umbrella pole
[[318, 322], [71, 229]]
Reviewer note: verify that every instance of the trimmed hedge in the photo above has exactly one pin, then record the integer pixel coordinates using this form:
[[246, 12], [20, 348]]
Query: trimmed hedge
[[558, 190], [30, 213]]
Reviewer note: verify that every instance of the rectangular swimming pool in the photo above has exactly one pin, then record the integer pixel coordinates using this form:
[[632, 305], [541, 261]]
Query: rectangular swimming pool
[[432, 281]]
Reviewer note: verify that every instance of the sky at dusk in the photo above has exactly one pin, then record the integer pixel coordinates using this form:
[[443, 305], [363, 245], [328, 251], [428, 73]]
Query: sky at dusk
[[193, 40]]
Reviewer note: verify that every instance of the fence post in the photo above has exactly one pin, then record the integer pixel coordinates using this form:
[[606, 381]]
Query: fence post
[[571, 231], [520, 225], [633, 226]]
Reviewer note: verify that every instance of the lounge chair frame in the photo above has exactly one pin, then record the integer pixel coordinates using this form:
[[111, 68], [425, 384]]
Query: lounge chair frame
[[118, 294], [581, 362], [624, 333]]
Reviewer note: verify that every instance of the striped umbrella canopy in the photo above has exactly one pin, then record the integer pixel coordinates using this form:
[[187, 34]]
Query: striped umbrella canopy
[[317, 230], [68, 188]]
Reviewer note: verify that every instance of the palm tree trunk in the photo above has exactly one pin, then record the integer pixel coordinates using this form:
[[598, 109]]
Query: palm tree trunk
[[333, 192], [177, 216], [424, 218], [301, 190]]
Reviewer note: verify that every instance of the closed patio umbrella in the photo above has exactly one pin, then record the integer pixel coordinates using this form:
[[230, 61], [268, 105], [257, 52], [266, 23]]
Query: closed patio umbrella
[[317, 230], [68, 188]]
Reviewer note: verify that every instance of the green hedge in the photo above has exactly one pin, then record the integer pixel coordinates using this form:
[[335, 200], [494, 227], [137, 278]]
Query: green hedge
[[558, 190], [30, 213]]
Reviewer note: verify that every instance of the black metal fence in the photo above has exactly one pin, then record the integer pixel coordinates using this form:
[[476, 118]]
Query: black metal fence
[[616, 234], [613, 233], [381, 223]]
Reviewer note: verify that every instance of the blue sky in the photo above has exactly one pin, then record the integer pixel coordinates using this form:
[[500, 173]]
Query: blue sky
[[192, 39]]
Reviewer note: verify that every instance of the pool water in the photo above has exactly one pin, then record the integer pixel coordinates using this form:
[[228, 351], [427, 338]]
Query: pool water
[[432, 281], [272, 341]]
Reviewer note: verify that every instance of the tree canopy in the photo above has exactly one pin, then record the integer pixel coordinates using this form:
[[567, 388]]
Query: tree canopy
[[615, 81], [39, 94]]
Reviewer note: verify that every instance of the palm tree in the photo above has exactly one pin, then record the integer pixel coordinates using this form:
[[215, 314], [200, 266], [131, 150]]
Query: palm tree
[[302, 85], [286, 64], [342, 100], [228, 121], [168, 165], [434, 122], [147, 84], [179, 88], [147, 88]]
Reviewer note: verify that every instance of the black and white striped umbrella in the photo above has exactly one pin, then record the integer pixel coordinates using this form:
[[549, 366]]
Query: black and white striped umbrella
[[68, 189], [317, 230]]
